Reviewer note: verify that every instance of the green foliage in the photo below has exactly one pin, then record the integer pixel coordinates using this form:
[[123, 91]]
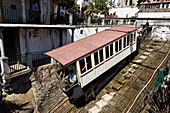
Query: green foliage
[[99, 5], [67, 3]]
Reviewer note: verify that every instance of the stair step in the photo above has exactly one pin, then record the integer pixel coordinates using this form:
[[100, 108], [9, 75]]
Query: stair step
[[100, 104], [106, 98], [94, 110]]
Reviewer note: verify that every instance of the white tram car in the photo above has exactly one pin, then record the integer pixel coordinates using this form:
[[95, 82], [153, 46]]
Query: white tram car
[[92, 56]]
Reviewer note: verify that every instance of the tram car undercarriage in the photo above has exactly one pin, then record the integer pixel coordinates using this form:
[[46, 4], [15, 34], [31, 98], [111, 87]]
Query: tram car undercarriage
[[86, 61]]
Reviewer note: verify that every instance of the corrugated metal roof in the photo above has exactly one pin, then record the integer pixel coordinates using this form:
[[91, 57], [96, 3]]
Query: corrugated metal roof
[[73, 51], [123, 28]]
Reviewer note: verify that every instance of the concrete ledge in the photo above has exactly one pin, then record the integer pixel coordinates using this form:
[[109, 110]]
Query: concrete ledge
[[20, 73]]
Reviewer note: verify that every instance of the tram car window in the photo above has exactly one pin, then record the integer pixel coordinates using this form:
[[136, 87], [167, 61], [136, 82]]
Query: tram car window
[[101, 55], [96, 58], [116, 46], [111, 49], [82, 66], [134, 36], [88, 62], [124, 42], [107, 51], [131, 38], [120, 44], [128, 40]]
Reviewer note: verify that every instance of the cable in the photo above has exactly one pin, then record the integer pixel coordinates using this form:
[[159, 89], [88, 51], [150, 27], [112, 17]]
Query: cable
[[147, 83]]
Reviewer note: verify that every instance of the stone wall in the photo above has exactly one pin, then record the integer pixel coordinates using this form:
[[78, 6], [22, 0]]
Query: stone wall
[[46, 88]]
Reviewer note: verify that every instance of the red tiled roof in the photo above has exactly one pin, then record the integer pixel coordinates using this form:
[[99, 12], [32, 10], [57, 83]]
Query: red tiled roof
[[73, 51]]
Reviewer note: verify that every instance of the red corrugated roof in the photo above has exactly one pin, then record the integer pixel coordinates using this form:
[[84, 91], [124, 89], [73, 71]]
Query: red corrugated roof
[[123, 28], [73, 51]]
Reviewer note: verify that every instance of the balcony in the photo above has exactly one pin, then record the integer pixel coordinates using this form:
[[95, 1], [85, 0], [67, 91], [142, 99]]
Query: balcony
[[12, 15], [18, 63], [155, 7]]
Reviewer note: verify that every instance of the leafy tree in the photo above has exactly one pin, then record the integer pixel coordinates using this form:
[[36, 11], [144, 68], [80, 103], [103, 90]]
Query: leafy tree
[[67, 3], [99, 5]]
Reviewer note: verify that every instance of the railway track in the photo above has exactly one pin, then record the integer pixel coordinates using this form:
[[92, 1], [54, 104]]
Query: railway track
[[139, 77], [63, 107], [127, 83]]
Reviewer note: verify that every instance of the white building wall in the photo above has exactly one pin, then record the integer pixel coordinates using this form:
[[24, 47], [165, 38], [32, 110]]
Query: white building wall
[[22, 41], [64, 36], [69, 36], [46, 39], [86, 31], [40, 40], [55, 38], [123, 12], [154, 15]]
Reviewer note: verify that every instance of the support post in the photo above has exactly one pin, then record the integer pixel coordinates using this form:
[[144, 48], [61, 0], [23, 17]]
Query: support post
[[5, 70], [23, 11], [72, 37], [28, 53], [1, 16], [103, 22], [89, 20], [61, 38], [71, 19]]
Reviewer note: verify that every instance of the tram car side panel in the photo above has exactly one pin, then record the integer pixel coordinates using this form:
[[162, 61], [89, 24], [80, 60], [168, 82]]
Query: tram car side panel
[[105, 58]]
